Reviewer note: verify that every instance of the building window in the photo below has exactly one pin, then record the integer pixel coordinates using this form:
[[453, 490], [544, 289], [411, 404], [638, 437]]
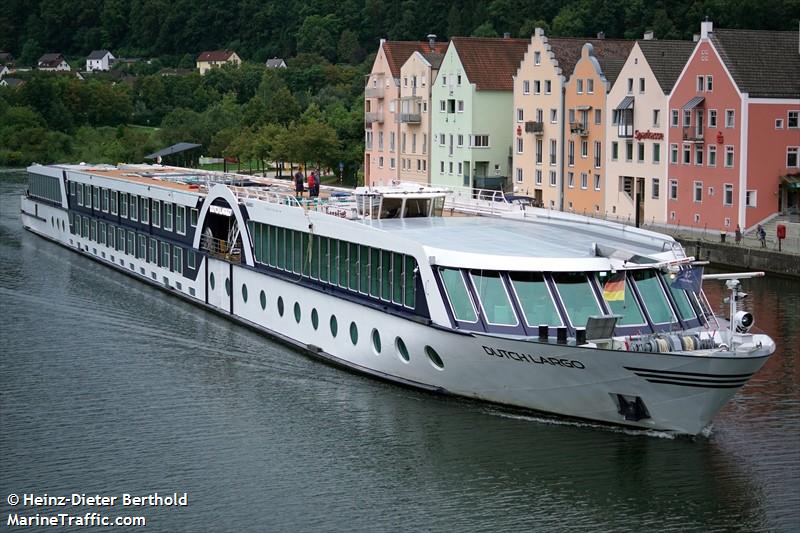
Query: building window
[[460, 107], [640, 152], [656, 118], [553, 150], [584, 180], [712, 155], [751, 198], [538, 175], [673, 154], [778, 123], [539, 150], [730, 118], [687, 154], [584, 149], [579, 86], [729, 156], [553, 116], [442, 106], [728, 199], [656, 152], [571, 180], [687, 118], [701, 83], [598, 116], [630, 85], [539, 115], [552, 178], [629, 151], [441, 167], [391, 162], [656, 189], [526, 87], [548, 86], [458, 80], [519, 174], [791, 157], [519, 145], [380, 162], [712, 118], [450, 168], [590, 86], [480, 141], [793, 120], [537, 87], [537, 58], [460, 139], [641, 85], [673, 189], [391, 141], [674, 118], [597, 182], [598, 147], [709, 83], [698, 191], [520, 115], [614, 150], [698, 155]]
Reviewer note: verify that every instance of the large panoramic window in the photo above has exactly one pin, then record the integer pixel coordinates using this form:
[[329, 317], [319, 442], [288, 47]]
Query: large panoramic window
[[494, 298], [534, 298], [460, 302], [627, 307], [685, 310], [577, 296], [655, 300]]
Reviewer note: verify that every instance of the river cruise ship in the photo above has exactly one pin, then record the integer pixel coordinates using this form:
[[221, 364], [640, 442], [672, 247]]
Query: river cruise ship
[[461, 292]]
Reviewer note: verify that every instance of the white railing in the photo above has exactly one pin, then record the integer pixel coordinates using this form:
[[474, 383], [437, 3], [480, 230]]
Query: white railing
[[483, 201]]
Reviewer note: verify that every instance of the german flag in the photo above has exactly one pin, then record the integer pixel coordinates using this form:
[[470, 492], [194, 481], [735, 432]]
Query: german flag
[[614, 289]]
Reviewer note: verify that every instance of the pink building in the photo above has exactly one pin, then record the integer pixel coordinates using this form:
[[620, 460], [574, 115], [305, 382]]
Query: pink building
[[734, 131], [381, 99]]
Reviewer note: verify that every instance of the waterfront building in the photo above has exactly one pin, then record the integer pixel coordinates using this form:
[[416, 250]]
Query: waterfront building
[[473, 101], [539, 109], [417, 75], [636, 123], [734, 132], [585, 103], [53, 63], [99, 60], [381, 97], [216, 58]]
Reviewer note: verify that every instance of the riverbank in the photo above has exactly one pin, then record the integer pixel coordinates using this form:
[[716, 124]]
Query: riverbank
[[744, 256]]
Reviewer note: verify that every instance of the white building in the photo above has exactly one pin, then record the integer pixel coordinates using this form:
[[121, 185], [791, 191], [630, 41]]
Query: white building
[[53, 62], [99, 60]]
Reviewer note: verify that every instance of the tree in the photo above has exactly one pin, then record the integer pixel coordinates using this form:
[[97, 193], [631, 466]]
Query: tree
[[484, 30], [317, 35], [348, 49]]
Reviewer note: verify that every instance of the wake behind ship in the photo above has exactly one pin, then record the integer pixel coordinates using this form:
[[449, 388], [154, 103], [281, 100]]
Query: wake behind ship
[[454, 291]]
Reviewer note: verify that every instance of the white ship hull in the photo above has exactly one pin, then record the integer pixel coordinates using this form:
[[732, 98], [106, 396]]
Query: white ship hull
[[681, 392]]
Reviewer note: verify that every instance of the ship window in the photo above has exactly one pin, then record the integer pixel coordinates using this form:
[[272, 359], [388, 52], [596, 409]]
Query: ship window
[[180, 219], [305, 253], [96, 197], [402, 351], [228, 286], [152, 252], [577, 295], [273, 246], [375, 273], [280, 305], [417, 207], [655, 300], [131, 243], [164, 255], [145, 210], [123, 205], [334, 326], [72, 188], [141, 247], [105, 200], [120, 239], [410, 278], [167, 216], [295, 252], [211, 280], [493, 297], [353, 333], [386, 275], [434, 358], [314, 319], [682, 301], [177, 263], [193, 217], [628, 307], [156, 213], [134, 207], [92, 230], [112, 233], [376, 341], [457, 294], [281, 254], [534, 298], [334, 253], [297, 312], [80, 194], [101, 233], [315, 244], [114, 198], [324, 268], [353, 265], [363, 260], [263, 298], [397, 278]]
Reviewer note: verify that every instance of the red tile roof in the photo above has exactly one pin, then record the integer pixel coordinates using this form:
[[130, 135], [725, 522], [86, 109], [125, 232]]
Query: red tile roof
[[215, 55], [490, 63], [398, 52]]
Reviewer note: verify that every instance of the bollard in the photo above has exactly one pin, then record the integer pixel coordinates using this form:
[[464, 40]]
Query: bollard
[[543, 332], [561, 335], [580, 336]]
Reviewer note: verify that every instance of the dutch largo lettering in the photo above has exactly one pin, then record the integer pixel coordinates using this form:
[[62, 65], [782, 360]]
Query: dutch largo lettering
[[528, 358]]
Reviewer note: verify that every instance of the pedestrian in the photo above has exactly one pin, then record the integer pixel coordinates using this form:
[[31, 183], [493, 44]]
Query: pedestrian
[[762, 236], [318, 179], [738, 234], [298, 184], [312, 183]]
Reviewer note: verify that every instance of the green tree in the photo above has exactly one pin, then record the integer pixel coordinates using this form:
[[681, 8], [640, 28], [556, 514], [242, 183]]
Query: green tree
[[317, 35], [484, 30], [348, 50]]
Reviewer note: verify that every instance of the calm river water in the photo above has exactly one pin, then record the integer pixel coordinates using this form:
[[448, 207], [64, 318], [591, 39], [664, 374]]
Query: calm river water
[[108, 386]]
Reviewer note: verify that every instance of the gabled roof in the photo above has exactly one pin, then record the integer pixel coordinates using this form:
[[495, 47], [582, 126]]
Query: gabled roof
[[6, 58], [215, 55], [666, 59], [434, 59], [98, 54], [764, 64], [398, 52], [50, 59], [275, 62], [567, 51], [13, 82], [490, 63]]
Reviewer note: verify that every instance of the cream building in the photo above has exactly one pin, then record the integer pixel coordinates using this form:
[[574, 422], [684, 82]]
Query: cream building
[[416, 78], [636, 148]]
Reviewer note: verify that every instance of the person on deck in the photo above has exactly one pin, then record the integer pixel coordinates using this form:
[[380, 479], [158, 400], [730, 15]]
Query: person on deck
[[312, 185], [298, 184]]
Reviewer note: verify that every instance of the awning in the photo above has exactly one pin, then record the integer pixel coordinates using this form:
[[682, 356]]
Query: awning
[[694, 102], [174, 149], [626, 103], [791, 181], [583, 107]]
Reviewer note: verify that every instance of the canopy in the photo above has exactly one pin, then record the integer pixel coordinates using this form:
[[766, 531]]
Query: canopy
[[174, 149], [694, 102], [626, 103]]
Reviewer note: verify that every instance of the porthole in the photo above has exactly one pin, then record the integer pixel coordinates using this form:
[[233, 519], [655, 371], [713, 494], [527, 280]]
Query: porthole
[[334, 325], [52, 222], [434, 357], [354, 333], [244, 292], [228, 286], [280, 305], [376, 341], [263, 298], [402, 351], [314, 319], [211, 280], [297, 312]]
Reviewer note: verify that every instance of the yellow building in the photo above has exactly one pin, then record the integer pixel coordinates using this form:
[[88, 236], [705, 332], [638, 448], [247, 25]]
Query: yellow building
[[216, 58]]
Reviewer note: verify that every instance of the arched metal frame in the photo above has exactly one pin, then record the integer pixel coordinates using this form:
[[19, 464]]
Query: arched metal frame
[[221, 192]]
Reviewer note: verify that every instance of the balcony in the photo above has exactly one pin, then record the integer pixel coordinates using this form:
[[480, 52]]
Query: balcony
[[410, 118], [374, 92], [693, 136], [537, 128], [373, 117], [579, 128]]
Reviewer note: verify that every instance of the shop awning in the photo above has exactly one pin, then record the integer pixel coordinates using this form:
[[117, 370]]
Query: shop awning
[[694, 102], [626, 103], [791, 181]]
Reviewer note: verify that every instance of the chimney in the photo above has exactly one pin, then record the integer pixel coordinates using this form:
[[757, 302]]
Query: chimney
[[706, 27], [432, 41], [648, 36], [507, 35], [538, 32], [601, 35]]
